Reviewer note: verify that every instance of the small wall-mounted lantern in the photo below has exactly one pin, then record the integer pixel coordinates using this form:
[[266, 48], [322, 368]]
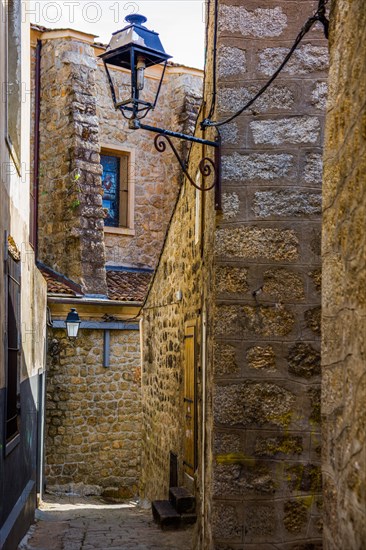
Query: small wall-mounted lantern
[[72, 324]]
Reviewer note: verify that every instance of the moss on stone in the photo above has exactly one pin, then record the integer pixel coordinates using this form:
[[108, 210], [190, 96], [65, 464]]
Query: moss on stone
[[304, 477], [283, 444], [253, 403], [236, 458], [303, 360], [295, 515]]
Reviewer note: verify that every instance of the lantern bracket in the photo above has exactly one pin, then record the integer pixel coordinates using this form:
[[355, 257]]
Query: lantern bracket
[[206, 166], [135, 125]]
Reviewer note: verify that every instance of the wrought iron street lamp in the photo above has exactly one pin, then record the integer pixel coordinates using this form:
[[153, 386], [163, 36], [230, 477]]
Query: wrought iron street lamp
[[135, 48]]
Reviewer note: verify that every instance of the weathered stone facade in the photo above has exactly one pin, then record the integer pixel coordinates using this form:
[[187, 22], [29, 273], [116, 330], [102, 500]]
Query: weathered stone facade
[[164, 322], [266, 364], [94, 413], [23, 306], [258, 371], [344, 288], [70, 198], [93, 431], [156, 178], [77, 121]]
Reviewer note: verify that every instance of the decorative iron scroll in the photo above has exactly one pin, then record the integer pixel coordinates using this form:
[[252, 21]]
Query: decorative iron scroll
[[206, 165]]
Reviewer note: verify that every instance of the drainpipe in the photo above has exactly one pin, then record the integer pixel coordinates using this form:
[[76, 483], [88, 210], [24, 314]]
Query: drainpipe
[[37, 109], [34, 237], [203, 452], [141, 325]]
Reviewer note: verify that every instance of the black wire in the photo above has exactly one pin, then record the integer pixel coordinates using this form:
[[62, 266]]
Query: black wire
[[214, 62], [318, 16]]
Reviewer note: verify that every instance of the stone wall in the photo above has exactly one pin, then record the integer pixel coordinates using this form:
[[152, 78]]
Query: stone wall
[[257, 277], [77, 119], [156, 177], [70, 190], [88, 450], [93, 429], [344, 289], [164, 321], [266, 366]]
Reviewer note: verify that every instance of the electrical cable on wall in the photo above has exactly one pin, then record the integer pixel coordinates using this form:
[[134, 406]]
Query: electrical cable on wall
[[319, 16], [214, 63]]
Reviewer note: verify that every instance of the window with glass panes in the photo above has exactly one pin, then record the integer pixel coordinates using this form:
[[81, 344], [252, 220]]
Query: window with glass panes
[[13, 99], [115, 189]]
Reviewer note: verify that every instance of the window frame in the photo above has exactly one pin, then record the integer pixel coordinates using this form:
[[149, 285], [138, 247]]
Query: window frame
[[14, 153], [117, 151]]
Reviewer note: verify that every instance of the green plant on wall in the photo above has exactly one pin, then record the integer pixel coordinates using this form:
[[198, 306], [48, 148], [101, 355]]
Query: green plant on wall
[[74, 187]]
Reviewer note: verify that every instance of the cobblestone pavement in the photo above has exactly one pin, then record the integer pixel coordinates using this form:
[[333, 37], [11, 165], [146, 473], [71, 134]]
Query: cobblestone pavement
[[88, 523]]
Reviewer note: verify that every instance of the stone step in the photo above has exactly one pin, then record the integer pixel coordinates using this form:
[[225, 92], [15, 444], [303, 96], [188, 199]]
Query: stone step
[[182, 500], [188, 519], [165, 514]]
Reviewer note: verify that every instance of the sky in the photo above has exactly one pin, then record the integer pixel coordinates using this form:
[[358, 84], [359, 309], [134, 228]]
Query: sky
[[180, 23]]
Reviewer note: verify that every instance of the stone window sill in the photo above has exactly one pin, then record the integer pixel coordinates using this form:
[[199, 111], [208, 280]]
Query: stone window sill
[[119, 231]]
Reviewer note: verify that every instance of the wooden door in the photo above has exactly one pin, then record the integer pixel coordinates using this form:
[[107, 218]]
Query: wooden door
[[190, 428]]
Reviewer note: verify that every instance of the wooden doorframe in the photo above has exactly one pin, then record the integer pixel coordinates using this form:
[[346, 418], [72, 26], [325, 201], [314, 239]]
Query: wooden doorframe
[[190, 396]]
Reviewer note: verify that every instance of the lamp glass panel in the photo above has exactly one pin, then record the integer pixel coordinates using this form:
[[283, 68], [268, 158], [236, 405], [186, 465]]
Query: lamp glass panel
[[72, 329]]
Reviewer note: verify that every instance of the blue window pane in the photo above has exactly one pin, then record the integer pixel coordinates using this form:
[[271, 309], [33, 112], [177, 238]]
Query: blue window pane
[[110, 183]]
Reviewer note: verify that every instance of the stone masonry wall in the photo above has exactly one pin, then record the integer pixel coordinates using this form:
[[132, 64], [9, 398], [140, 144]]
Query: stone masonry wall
[[164, 317], [186, 266], [77, 118], [70, 192], [93, 418], [94, 414], [155, 177], [266, 411], [344, 283], [261, 483]]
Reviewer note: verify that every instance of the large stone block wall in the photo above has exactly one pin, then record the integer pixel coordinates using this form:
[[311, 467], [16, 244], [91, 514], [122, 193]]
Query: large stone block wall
[[266, 444], [344, 283], [259, 282], [93, 418]]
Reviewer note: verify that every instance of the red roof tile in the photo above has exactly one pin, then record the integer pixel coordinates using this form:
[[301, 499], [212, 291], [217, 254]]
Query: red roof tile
[[57, 284], [123, 286], [128, 286]]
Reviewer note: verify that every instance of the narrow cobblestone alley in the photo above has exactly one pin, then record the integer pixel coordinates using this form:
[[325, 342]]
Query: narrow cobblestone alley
[[77, 523]]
